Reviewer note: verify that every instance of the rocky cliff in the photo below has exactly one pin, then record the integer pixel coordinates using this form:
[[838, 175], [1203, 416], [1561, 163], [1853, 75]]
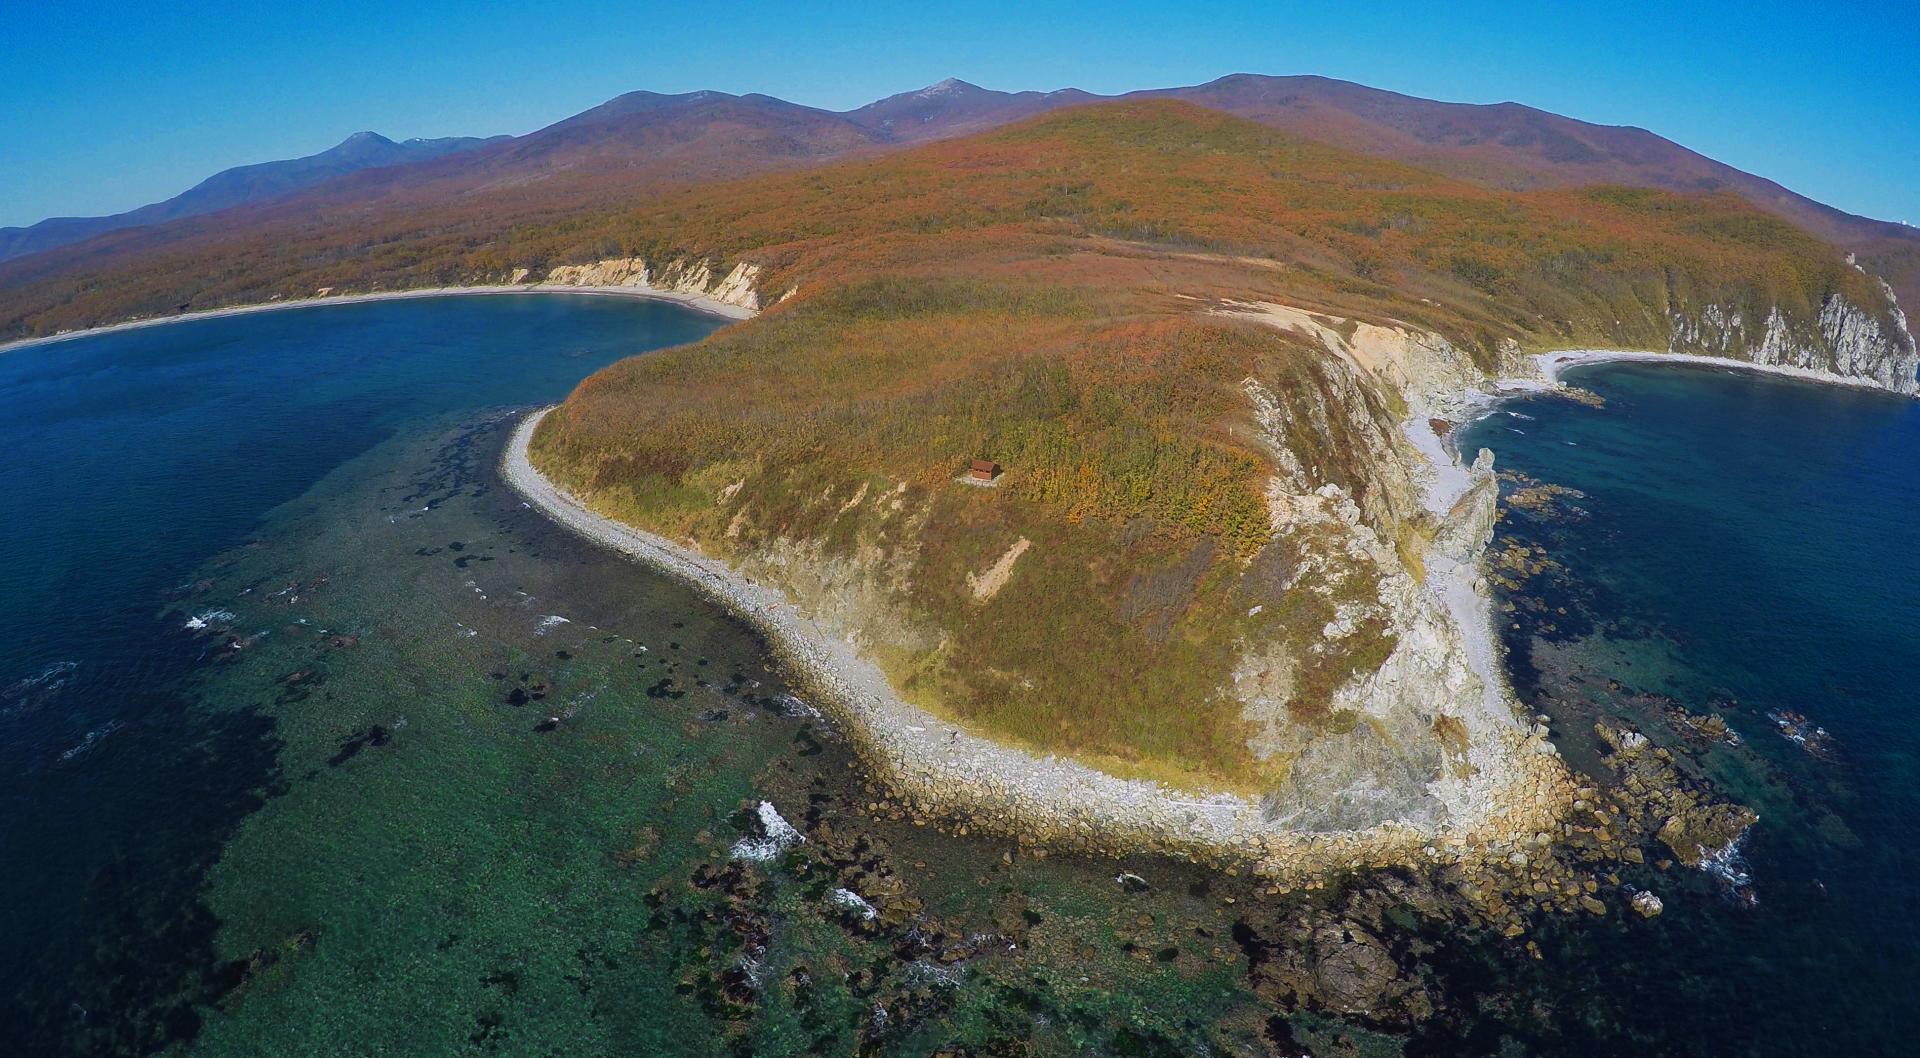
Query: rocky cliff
[[1425, 734], [694, 278], [1841, 339]]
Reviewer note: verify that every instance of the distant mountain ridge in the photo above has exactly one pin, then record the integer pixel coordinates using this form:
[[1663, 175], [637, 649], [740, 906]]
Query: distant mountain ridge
[[239, 186], [954, 107], [1509, 145], [641, 142], [1505, 145]]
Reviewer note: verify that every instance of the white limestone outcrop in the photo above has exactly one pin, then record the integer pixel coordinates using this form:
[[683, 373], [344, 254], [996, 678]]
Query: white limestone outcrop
[[1843, 339], [691, 279]]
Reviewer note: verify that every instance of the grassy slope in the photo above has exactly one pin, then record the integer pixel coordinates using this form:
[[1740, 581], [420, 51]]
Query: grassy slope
[[1012, 296], [1026, 294], [1368, 231]]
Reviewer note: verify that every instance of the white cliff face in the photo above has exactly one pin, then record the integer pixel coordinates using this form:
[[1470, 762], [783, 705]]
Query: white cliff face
[[1843, 340], [693, 279], [1429, 738], [1424, 740], [1438, 742], [1340, 419], [1422, 367], [1862, 348]]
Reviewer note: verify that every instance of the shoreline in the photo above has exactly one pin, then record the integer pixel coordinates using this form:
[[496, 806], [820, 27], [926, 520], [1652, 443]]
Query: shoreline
[[942, 770], [697, 302], [1476, 403], [1453, 472], [1553, 365]]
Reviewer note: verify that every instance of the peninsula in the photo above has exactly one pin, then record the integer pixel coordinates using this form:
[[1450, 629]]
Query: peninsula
[[1224, 598], [1220, 593]]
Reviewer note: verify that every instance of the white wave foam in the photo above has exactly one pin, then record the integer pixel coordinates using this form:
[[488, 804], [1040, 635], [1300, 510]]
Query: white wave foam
[[93, 738], [51, 678], [1728, 866], [848, 900], [778, 836], [791, 706]]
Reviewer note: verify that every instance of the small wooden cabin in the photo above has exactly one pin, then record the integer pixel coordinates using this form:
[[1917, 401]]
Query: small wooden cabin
[[984, 470]]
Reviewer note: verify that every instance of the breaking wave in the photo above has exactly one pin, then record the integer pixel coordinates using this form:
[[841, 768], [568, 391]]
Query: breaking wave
[[210, 619], [776, 836], [93, 739], [50, 678], [1728, 867]]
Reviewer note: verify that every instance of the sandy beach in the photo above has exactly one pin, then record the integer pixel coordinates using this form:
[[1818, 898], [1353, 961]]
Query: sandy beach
[[693, 301]]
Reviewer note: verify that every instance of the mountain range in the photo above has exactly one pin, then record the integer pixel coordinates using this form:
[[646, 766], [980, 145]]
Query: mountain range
[[239, 186], [642, 142]]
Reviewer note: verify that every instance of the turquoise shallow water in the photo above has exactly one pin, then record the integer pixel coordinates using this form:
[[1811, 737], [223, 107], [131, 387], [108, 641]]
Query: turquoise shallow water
[[436, 777], [127, 460], [1745, 545]]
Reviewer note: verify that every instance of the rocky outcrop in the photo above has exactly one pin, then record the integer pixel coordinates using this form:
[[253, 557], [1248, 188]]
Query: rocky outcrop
[[1843, 340], [1427, 737], [1698, 831], [689, 278]]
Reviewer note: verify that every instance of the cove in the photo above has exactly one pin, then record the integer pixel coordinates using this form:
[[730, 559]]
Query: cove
[[1742, 546]]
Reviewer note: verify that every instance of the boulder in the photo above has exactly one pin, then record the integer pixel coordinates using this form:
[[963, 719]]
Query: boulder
[[1698, 831]]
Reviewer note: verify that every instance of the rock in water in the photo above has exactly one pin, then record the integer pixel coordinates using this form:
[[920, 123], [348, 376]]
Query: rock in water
[[1353, 971], [1694, 833], [1647, 904]]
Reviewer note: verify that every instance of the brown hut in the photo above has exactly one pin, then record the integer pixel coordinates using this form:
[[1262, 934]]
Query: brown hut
[[985, 470]]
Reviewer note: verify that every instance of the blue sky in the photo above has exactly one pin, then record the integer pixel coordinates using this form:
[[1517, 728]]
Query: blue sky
[[106, 106]]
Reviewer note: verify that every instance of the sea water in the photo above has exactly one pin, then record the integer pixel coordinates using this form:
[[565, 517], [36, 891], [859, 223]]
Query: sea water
[[126, 461], [318, 741], [1746, 545]]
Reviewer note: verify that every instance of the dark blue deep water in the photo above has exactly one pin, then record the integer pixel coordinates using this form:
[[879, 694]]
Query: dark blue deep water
[[126, 460], [1746, 545]]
